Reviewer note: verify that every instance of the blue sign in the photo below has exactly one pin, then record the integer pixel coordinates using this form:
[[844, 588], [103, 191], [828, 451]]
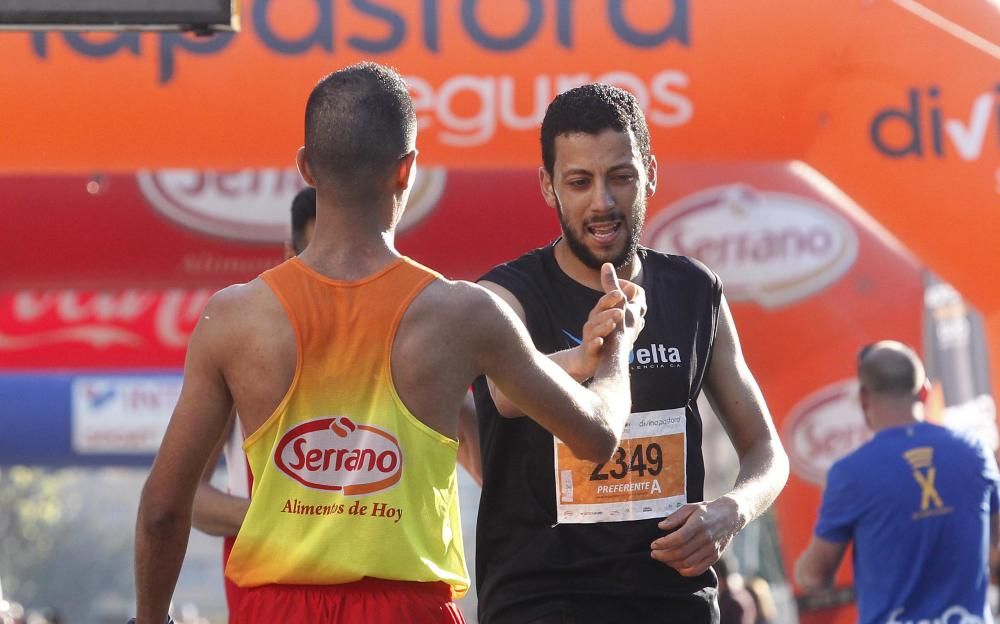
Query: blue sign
[[77, 419]]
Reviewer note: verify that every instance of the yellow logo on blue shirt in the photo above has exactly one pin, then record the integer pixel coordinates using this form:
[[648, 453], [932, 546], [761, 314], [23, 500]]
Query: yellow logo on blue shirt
[[921, 460]]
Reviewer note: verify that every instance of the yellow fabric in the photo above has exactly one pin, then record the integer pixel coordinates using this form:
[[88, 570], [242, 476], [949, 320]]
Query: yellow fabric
[[347, 483]]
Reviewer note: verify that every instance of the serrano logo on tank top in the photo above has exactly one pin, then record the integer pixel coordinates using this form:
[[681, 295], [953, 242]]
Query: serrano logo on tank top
[[336, 454]]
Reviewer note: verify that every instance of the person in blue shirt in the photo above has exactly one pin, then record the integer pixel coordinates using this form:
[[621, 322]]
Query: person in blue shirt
[[919, 501]]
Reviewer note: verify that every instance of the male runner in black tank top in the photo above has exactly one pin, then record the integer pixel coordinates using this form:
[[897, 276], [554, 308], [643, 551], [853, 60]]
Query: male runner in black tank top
[[565, 541]]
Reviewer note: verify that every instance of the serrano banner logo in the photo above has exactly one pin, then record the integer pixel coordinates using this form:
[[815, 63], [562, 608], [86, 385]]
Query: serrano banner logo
[[771, 248], [252, 204], [336, 454], [822, 428]]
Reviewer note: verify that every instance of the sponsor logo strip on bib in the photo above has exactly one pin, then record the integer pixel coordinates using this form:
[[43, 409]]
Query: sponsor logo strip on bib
[[645, 478]]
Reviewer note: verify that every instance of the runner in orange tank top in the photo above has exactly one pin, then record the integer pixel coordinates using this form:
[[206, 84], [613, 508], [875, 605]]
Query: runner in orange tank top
[[347, 367], [221, 513]]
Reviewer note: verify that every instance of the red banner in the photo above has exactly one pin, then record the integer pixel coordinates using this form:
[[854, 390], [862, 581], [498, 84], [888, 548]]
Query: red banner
[[211, 229], [123, 329]]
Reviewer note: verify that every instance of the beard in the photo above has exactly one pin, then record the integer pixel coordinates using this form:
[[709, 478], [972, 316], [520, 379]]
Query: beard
[[632, 235]]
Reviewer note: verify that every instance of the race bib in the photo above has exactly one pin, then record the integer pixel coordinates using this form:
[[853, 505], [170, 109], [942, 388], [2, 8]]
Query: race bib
[[646, 477]]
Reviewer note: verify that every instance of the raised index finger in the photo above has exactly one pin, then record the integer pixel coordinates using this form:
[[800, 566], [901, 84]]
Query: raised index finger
[[609, 278]]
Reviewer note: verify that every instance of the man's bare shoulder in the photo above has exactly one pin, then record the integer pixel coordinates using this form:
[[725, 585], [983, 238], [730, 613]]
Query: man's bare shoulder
[[508, 297], [237, 299], [458, 300], [458, 311], [241, 307]]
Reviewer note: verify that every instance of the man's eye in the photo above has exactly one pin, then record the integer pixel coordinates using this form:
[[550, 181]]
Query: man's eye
[[580, 182]]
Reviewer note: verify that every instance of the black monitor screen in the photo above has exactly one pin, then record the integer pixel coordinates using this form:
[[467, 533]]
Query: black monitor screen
[[116, 13]]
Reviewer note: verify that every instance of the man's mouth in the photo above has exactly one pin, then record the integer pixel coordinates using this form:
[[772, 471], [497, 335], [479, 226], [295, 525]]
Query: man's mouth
[[605, 231]]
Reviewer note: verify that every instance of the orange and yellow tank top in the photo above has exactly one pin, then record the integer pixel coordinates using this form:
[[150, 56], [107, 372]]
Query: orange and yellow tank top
[[347, 483]]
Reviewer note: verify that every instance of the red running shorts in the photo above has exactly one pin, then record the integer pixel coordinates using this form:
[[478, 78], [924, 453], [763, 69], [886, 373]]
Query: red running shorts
[[368, 601]]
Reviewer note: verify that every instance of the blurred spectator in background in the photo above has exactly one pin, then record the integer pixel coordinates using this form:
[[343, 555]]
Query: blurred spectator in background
[[11, 612], [763, 600], [919, 501], [45, 616], [736, 605]]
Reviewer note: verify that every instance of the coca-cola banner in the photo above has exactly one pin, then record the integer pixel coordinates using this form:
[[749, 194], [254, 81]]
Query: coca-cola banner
[[77, 329]]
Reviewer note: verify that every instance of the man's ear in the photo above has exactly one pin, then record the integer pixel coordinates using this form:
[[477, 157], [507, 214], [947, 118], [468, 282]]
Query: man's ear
[[303, 166], [406, 168], [548, 192], [651, 176]]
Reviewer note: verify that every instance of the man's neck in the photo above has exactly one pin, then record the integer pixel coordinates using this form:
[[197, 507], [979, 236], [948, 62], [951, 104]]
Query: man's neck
[[350, 245], [890, 418], [573, 267]]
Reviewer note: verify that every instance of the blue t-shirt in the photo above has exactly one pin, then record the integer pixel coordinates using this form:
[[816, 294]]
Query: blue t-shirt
[[916, 500]]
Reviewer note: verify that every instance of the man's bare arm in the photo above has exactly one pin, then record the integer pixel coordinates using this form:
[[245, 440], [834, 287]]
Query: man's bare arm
[[468, 440], [589, 421], [700, 532], [818, 564], [580, 361], [164, 519], [216, 512]]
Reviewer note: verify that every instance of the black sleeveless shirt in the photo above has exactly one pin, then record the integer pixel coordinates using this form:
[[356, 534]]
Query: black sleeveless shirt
[[529, 563]]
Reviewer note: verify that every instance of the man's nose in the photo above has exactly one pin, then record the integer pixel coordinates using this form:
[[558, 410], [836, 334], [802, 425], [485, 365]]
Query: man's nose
[[602, 200]]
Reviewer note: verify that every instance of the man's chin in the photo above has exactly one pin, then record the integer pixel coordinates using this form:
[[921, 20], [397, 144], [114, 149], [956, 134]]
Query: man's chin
[[594, 258], [595, 261], [618, 256]]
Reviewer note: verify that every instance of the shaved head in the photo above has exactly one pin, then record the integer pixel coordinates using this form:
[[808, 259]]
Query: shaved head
[[891, 369], [359, 122]]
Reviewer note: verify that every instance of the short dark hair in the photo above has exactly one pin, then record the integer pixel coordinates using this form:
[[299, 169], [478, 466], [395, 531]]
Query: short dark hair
[[303, 213], [359, 122], [890, 368], [591, 109]]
